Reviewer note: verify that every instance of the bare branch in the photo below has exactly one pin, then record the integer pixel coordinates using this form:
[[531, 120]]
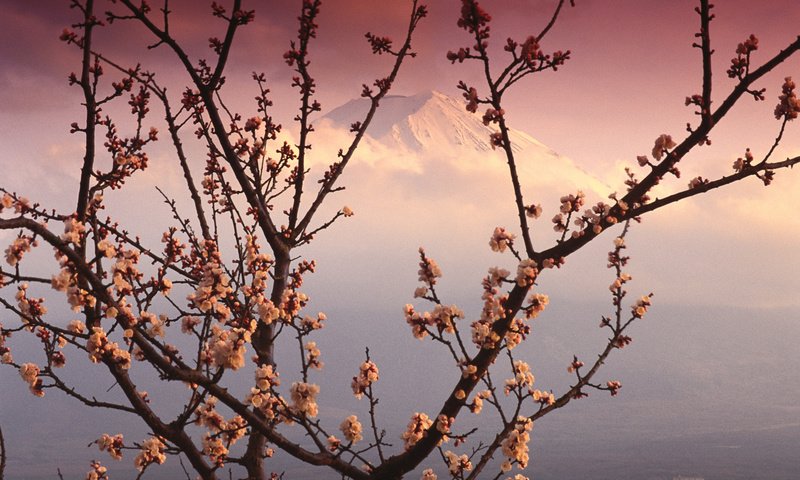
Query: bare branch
[[2, 455]]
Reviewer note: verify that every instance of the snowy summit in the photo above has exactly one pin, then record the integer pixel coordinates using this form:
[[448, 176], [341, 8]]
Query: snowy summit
[[415, 132], [426, 122]]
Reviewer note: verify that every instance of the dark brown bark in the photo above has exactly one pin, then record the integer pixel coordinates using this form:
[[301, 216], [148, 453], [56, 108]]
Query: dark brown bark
[[264, 345], [91, 112]]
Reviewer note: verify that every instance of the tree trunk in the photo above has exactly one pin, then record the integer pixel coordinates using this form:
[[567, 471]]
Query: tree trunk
[[263, 344]]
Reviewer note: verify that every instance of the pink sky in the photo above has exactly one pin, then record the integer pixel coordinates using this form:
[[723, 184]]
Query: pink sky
[[632, 64], [632, 67]]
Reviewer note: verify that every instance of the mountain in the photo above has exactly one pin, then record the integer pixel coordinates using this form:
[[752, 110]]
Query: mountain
[[432, 127], [426, 122]]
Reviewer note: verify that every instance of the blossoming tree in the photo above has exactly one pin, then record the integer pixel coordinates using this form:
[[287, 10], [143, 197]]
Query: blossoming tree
[[226, 276]]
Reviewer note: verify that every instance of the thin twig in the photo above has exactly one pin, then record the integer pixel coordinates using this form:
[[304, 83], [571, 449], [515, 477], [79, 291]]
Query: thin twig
[[2, 454]]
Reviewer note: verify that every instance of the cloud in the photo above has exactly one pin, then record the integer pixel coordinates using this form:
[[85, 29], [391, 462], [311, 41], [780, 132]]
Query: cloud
[[728, 247]]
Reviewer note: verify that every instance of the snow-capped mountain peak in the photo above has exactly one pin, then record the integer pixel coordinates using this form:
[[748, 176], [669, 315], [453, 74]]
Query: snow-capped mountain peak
[[432, 132], [425, 122]]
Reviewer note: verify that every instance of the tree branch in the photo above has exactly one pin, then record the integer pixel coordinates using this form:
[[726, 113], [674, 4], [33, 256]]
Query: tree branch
[[2, 455]]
